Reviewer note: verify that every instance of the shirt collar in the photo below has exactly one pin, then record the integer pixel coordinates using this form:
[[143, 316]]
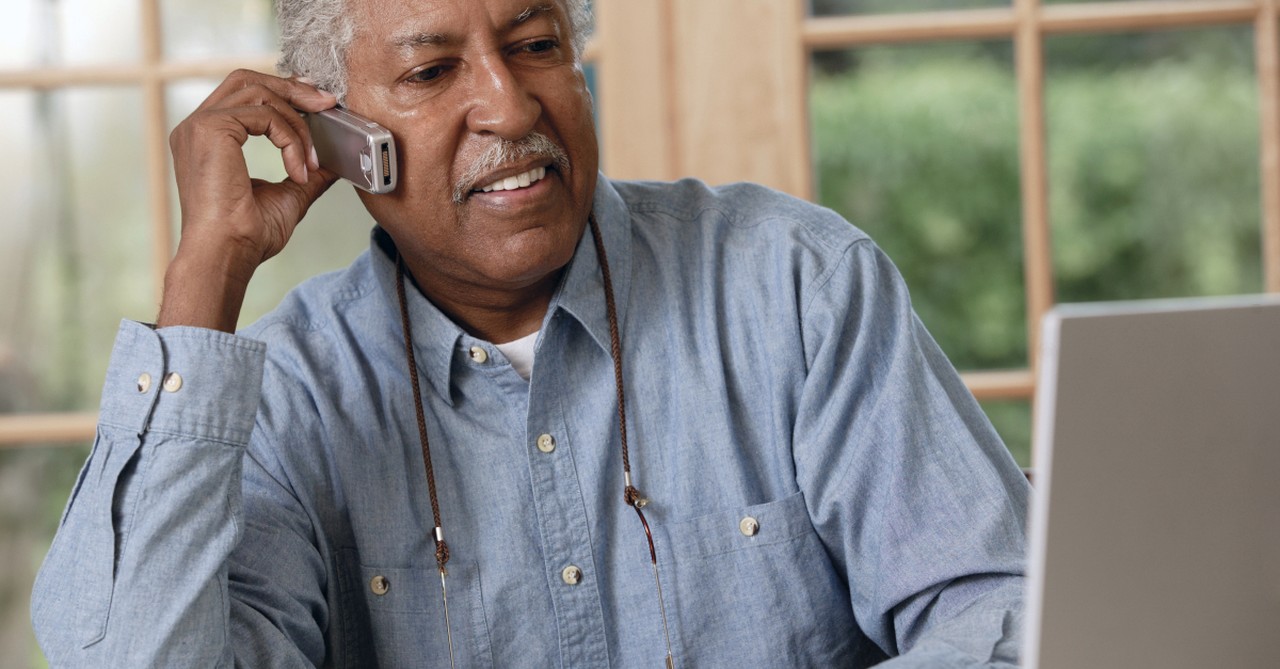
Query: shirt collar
[[437, 339], [581, 293]]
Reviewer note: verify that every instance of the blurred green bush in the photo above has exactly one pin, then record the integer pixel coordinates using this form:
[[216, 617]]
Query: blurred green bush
[[1153, 173]]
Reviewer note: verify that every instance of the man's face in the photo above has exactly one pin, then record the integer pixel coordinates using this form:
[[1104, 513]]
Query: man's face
[[450, 79]]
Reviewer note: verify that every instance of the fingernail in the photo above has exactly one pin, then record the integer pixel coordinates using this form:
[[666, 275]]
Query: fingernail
[[315, 160], [306, 80], [306, 175]]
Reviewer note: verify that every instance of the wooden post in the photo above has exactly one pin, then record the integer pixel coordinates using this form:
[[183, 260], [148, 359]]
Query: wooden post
[[720, 92], [1033, 152], [1268, 47], [157, 131], [635, 77], [1037, 257]]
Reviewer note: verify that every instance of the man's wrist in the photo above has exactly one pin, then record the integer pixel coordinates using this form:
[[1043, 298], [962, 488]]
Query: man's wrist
[[205, 290]]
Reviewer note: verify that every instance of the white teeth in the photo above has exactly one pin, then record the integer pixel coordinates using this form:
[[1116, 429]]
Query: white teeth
[[522, 180]]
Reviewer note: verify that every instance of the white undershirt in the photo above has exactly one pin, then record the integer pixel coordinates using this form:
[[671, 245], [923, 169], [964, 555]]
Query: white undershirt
[[520, 353]]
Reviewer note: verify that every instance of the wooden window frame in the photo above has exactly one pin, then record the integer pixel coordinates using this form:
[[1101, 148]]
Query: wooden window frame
[[642, 48]]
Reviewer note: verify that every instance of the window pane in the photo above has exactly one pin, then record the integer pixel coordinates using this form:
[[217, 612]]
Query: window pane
[[74, 242], [69, 32], [839, 7], [34, 486], [917, 145], [1154, 164], [202, 29], [335, 231], [18, 34]]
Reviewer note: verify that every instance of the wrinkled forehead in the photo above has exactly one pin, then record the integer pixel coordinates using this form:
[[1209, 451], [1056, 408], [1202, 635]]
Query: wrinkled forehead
[[406, 22]]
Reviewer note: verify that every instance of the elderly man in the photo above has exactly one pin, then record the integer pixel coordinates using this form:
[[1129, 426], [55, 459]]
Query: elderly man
[[548, 419]]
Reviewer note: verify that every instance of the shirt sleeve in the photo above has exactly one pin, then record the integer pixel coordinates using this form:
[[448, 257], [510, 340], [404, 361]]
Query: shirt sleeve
[[138, 575], [920, 505]]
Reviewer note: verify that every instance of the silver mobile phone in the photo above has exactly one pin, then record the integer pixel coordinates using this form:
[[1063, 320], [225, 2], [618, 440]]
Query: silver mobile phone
[[355, 148]]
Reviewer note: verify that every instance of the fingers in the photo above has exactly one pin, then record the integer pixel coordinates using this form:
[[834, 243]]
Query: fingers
[[261, 96], [245, 89], [282, 130], [296, 93], [255, 110]]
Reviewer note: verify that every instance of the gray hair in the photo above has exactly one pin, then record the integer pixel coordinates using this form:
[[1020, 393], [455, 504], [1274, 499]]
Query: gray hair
[[315, 35]]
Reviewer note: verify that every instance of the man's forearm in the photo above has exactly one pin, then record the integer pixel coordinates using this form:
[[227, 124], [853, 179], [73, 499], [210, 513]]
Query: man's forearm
[[986, 634], [137, 573]]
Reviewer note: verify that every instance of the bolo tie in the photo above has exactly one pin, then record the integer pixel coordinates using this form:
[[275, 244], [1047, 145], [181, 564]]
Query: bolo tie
[[630, 494]]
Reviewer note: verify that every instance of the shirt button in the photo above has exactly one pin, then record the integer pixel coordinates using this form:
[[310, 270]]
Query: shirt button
[[144, 382], [379, 585], [571, 575], [173, 382], [479, 355], [546, 443], [749, 526]]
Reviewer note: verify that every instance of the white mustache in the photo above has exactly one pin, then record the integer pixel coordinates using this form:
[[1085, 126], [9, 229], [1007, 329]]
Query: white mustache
[[503, 152]]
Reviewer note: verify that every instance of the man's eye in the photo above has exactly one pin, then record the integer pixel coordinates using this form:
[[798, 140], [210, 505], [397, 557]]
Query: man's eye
[[541, 46], [427, 74]]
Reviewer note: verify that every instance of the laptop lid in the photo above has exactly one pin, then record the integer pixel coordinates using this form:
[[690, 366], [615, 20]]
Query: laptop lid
[[1155, 525]]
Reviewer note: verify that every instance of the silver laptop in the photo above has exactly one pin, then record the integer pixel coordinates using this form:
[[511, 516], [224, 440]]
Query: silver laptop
[[1155, 531]]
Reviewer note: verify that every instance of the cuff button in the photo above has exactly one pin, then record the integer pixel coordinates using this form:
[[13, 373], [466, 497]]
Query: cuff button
[[144, 382], [173, 382]]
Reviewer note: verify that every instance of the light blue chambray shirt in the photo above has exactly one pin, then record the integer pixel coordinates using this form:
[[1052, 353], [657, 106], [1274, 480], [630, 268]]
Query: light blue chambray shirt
[[774, 369]]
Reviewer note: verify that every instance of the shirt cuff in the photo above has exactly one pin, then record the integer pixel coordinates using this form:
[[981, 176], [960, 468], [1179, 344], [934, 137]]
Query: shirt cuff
[[183, 380]]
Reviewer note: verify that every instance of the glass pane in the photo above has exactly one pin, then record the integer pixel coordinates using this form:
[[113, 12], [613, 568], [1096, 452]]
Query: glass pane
[[1012, 419], [1153, 145], [34, 486], [839, 7], [917, 145], [335, 231], [75, 242], [69, 32], [202, 29], [18, 34]]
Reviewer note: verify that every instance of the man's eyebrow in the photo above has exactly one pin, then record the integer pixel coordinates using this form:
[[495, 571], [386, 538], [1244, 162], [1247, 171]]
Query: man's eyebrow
[[414, 40], [420, 39], [531, 12]]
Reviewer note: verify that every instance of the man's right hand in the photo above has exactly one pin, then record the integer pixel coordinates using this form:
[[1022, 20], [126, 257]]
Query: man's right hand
[[232, 223]]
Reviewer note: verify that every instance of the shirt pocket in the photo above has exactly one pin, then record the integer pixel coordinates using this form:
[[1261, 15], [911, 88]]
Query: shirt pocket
[[394, 616], [754, 586]]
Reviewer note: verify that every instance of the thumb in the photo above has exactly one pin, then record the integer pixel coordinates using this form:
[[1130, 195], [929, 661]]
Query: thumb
[[318, 181], [284, 203], [303, 195]]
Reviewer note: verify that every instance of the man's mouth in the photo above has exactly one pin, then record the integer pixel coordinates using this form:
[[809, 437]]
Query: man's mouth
[[522, 180], [501, 157]]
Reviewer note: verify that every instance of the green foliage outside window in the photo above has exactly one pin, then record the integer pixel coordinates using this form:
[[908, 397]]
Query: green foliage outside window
[[1153, 173]]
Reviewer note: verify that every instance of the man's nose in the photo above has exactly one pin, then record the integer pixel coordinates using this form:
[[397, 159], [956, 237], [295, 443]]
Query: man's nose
[[500, 103]]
